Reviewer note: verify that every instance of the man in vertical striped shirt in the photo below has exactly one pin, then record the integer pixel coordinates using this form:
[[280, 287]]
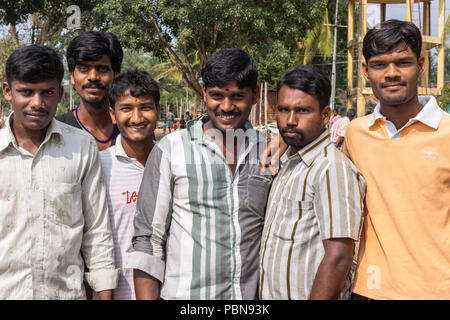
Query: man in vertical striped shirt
[[314, 209], [135, 109], [200, 211]]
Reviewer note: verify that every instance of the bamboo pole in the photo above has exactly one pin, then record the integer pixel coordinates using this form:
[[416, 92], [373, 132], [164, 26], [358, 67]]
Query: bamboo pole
[[333, 71], [361, 101], [350, 50], [260, 104], [265, 106], [441, 56]]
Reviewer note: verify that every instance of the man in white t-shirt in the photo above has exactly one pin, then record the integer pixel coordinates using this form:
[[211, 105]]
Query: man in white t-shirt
[[134, 100]]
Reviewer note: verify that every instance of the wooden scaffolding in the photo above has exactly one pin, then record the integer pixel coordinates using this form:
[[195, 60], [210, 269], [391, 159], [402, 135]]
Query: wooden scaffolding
[[361, 91]]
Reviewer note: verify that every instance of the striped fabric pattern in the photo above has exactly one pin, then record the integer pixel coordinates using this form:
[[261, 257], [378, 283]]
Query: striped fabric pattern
[[123, 176], [197, 226], [317, 195]]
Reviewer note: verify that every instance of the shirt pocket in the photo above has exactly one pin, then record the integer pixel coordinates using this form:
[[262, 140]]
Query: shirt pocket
[[65, 204], [294, 210], [257, 192]]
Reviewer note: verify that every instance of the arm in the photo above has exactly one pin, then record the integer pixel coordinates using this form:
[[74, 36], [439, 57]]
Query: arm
[[270, 157], [97, 244], [146, 286], [333, 270], [105, 295], [338, 206], [147, 254], [339, 141]]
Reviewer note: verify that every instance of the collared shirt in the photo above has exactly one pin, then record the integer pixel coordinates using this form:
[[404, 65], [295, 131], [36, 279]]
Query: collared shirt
[[317, 195], [430, 115], [197, 226], [123, 176], [53, 211]]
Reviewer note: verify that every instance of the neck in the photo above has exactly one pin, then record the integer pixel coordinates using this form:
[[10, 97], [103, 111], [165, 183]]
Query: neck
[[94, 115], [30, 140], [399, 114], [138, 150]]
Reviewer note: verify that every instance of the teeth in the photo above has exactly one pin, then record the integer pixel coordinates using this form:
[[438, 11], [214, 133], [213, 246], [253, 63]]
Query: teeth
[[227, 117]]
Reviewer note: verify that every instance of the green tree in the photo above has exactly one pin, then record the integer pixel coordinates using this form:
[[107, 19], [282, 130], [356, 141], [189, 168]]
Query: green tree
[[175, 29]]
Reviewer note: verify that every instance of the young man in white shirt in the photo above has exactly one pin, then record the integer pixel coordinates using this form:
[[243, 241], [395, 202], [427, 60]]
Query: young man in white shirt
[[135, 109], [52, 195]]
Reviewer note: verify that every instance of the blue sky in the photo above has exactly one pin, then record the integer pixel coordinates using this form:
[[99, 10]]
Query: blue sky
[[398, 11]]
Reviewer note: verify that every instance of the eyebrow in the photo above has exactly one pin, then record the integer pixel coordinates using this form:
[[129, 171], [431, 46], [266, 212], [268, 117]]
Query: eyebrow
[[130, 104], [408, 58], [296, 107]]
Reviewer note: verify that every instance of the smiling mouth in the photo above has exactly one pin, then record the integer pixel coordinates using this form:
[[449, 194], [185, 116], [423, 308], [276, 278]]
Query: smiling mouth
[[138, 127]]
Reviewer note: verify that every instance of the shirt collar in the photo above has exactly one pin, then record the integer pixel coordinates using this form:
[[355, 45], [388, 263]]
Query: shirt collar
[[195, 130], [7, 137], [430, 114], [118, 148], [311, 151]]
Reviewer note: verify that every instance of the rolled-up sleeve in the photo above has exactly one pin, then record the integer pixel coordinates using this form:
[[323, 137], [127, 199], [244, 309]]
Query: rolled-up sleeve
[[339, 204], [97, 244], [153, 216]]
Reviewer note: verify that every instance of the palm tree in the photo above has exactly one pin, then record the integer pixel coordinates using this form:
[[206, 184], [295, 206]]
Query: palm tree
[[318, 39]]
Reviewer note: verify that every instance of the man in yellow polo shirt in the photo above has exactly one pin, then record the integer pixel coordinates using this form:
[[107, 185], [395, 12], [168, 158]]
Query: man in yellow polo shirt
[[402, 152]]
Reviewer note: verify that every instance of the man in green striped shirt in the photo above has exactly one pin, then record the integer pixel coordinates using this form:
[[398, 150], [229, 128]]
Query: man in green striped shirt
[[200, 211], [314, 211]]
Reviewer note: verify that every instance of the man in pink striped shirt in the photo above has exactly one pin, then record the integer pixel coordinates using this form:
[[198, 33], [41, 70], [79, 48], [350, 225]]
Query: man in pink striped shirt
[[134, 100]]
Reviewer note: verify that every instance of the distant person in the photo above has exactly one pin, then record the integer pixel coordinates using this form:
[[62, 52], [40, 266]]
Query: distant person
[[402, 150], [200, 210], [314, 211], [335, 115], [164, 127], [134, 100], [53, 207], [188, 116], [182, 122], [341, 126], [93, 59], [333, 124], [170, 120]]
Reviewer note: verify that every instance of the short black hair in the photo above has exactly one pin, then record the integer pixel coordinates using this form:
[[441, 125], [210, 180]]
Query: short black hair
[[138, 81], [387, 35], [227, 65], [351, 113], [91, 45], [33, 64], [310, 80]]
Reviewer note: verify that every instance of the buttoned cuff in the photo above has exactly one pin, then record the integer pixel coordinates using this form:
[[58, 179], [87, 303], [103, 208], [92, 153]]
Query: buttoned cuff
[[151, 265], [102, 279]]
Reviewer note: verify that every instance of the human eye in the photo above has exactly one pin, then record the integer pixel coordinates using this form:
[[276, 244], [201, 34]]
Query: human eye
[[215, 95], [82, 68], [377, 65], [405, 63], [103, 69], [302, 110], [49, 93], [282, 109], [147, 107], [25, 92]]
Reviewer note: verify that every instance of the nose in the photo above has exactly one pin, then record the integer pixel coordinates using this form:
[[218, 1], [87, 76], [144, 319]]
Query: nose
[[36, 101], [136, 116], [93, 74], [392, 72], [292, 119], [227, 105]]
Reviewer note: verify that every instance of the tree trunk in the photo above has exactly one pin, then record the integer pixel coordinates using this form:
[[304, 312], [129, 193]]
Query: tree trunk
[[14, 34]]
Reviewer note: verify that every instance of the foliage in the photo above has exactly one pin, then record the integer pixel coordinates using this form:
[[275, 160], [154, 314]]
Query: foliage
[[444, 99], [176, 29]]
